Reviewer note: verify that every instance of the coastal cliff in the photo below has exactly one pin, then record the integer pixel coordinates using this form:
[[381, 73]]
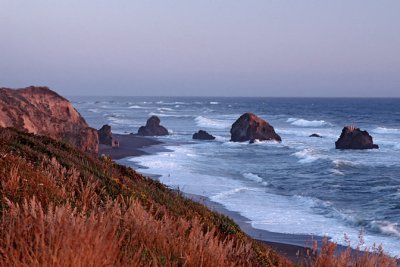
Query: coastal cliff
[[41, 111]]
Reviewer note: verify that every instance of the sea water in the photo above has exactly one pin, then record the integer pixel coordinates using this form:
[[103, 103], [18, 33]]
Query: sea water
[[302, 185]]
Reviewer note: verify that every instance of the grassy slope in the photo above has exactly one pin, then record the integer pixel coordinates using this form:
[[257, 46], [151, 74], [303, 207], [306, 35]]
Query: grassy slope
[[144, 222]]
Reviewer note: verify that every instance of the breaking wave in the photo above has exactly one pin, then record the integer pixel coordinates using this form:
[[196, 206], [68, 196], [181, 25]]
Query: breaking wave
[[383, 130], [211, 123], [307, 123]]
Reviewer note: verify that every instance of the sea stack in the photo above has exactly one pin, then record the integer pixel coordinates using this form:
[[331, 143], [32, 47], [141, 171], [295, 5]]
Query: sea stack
[[249, 127], [354, 138], [153, 128], [42, 111], [203, 135], [106, 137]]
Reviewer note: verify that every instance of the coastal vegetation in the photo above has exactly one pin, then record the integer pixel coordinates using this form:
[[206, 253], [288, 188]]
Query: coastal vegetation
[[61, 207]]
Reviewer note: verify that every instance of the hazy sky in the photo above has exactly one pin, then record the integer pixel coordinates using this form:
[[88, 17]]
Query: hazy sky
[[204, 47]]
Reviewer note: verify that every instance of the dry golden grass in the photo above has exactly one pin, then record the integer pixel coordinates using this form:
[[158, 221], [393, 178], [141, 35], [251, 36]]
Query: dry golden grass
[[367, 257], [59, 207], [120, 233], [330, 254]]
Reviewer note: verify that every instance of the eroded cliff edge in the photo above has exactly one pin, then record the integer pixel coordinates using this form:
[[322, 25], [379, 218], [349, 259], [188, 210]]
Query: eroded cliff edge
[[40, 110]]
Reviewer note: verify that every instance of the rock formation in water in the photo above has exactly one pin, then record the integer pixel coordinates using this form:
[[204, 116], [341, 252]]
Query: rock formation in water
[[203, 135], [41, 111], [106, 136], [354, 138], [315, 135], [249, 127], [153, 128]]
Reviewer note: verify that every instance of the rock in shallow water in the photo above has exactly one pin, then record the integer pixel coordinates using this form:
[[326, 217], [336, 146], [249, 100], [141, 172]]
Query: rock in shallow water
[[106, 137], [249, 127], [203, 135], [153, 128], [354, 138]]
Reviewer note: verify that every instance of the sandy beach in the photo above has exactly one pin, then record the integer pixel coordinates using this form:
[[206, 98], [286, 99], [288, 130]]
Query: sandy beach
[[130, 145]]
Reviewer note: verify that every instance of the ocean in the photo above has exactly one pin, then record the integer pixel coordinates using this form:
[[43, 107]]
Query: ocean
[[300, 186]]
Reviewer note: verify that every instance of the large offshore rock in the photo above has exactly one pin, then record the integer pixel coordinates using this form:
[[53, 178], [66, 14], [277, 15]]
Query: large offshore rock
[[153, 128], [249, 127], [354, 138]]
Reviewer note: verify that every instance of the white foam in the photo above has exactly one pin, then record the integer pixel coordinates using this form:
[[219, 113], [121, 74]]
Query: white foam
[[236, 144], [226, 194], [308, 155], [135, 107], [340, 163], [221, 138], [94, 110], [214, 103], [307, 123], [336, 172], [212, 123], [252, 177], [276, 213], [383, 130], [169, 115], [266, 142], [120, 121], [396, 146], [165, 109], [387, 227]]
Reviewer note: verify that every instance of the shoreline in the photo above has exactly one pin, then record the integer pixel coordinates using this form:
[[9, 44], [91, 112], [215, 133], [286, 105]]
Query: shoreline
[[288, 245], [295, 247], [292, 246], [130, 145]]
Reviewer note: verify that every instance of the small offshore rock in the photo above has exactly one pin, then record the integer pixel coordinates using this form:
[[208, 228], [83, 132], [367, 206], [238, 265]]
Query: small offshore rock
[[106, 137], [203, 135]]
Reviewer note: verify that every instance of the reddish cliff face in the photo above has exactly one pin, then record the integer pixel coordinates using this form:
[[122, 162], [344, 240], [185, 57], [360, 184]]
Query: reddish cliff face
[[41, 111]]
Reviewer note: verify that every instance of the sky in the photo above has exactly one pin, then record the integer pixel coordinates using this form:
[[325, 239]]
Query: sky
[[307, 48]]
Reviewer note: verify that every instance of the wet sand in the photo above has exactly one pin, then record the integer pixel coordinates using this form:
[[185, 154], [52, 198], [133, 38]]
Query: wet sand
[[130, 145]]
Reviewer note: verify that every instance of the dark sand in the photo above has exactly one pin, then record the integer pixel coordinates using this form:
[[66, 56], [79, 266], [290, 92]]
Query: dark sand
[[129, 145]]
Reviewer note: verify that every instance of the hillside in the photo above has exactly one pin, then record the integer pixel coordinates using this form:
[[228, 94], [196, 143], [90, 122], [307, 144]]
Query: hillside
[[60, 207], [40, 110]]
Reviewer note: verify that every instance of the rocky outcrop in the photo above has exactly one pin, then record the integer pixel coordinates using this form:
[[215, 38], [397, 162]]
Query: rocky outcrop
[[354, 138], [315, 135], [249, 127], [41, 111], [153, 128], [203, 135], [106, 136]]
